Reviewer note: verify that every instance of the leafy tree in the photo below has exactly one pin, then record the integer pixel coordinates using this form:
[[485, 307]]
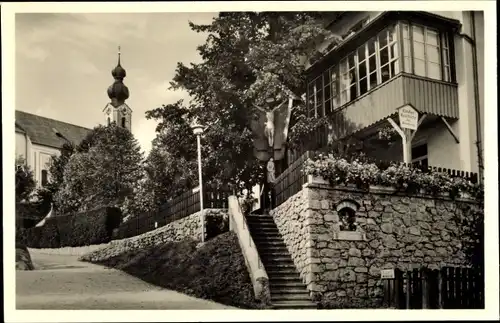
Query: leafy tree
[[247, 58], [25, 181], [105, 172]]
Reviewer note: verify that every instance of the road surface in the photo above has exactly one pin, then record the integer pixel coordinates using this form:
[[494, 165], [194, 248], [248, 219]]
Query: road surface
[[64, 283]]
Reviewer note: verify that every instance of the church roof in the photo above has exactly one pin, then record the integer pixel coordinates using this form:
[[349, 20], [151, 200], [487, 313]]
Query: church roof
[[42, 131]]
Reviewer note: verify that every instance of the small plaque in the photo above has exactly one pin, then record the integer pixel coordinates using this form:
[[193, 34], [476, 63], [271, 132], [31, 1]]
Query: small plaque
[[387, 274], [156, 224]]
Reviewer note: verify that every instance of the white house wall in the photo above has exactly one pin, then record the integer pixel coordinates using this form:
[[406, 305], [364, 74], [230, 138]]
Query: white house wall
[[41, 156]]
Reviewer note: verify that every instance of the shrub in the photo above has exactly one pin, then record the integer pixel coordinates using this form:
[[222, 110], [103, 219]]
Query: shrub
[[46, 236], [82, 229], [88, 228], [216, 224]]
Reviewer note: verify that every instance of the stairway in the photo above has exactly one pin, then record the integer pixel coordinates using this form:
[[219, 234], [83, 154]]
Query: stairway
[[287, 289]]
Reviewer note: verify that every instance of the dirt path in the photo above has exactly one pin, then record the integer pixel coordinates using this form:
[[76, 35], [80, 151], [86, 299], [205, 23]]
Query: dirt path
[[63, 282]]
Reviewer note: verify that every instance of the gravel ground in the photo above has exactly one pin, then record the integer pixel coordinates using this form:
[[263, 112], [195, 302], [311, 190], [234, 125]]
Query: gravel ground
[[62, 282]]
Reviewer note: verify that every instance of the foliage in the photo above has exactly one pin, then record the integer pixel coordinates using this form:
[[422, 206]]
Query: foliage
[[247, 58], [398, 175], [86, 228], [201, 273], [103, 175], [25, 181], [471, 227], [46, 236], [216, 225]]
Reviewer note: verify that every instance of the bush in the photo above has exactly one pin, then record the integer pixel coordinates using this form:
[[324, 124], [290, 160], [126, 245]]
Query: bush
[[216, 224], [82, 229]]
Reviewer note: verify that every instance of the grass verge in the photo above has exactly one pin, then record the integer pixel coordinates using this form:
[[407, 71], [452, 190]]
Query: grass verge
[[215, 271]]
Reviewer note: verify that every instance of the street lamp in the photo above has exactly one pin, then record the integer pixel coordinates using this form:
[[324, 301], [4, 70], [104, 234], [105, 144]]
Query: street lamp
[[198, 130]]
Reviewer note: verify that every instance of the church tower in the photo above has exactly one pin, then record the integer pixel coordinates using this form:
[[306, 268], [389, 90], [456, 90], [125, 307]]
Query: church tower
[[117, 110]]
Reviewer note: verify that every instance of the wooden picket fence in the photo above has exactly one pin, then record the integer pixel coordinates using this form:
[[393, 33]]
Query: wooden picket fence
[[448, 288], [214, 197]]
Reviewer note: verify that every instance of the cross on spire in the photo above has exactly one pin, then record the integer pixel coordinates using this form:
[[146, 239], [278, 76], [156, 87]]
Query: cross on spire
[[119, 54]]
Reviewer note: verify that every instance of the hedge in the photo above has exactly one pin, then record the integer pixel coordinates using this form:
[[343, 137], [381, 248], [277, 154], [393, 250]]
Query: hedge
[[81, 229]]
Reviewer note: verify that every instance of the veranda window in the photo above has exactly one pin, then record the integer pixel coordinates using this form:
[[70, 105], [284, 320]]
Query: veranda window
[[424, 51]]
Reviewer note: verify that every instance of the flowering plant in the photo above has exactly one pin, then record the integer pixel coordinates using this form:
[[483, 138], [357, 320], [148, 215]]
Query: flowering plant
[[398, 175]]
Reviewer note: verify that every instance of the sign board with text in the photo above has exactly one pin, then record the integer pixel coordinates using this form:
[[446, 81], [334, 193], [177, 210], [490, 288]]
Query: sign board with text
[[408, 117], [387, 274]]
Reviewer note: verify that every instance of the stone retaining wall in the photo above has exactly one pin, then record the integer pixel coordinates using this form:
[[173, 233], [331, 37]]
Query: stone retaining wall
[[69, 251], [188, 227], [342, 268]]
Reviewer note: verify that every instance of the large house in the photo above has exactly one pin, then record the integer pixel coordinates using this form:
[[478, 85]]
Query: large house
[[428, 62], [39, 138]]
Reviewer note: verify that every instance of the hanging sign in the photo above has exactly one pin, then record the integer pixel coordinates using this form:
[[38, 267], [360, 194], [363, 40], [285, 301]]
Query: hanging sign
[[408, 117]]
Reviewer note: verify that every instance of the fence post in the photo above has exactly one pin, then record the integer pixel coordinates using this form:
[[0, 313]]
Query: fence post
[[408, 287], [425, 289]]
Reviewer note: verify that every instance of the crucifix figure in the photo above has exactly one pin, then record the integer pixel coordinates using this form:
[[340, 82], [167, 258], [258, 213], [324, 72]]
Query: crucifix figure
[[269, 125]]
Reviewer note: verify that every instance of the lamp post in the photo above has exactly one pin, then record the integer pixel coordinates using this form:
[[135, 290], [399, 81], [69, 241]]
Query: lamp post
[[198, 130]]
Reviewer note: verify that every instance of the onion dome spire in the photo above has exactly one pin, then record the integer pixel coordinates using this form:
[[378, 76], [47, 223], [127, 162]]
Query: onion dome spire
[[118, 92]]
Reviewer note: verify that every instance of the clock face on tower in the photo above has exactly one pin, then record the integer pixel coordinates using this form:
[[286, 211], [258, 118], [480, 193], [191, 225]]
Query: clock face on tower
[[123, 110]]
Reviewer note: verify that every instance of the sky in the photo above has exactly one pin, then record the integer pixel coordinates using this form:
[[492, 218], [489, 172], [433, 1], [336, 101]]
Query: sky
[[64, 63]]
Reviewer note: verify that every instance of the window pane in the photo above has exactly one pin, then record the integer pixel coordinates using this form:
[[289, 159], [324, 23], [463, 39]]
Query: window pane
[[326, 77], [382, 39], [434, 71], [361, 53], [335, 103], [351, 60], [385, 73], [328, 107], [343, 66], [407, 65], [352, 77], [373, 80], [406, 48], [433, 54], [432, 38], [319, 97], [363, 86], [392, 33], [418, 34], [372, 62], [394, 51], [419, 67], [384, 56], [447, 74], [327, 93], [405, 31], [334, 87], [418, 50], [343, 97], [353, 93], [362, 70], [394, 67], [446, 59], [319, 83], [371, 46], [344, 82]]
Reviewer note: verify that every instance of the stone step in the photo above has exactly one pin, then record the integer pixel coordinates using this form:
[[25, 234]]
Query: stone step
[[290, 305], [270, 243], [267, 239], [270, 249], [290, 297], [278, 260], [285, 278], [280, 265], [260, 219], [289, 290], [274, 272], [286, 284]]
